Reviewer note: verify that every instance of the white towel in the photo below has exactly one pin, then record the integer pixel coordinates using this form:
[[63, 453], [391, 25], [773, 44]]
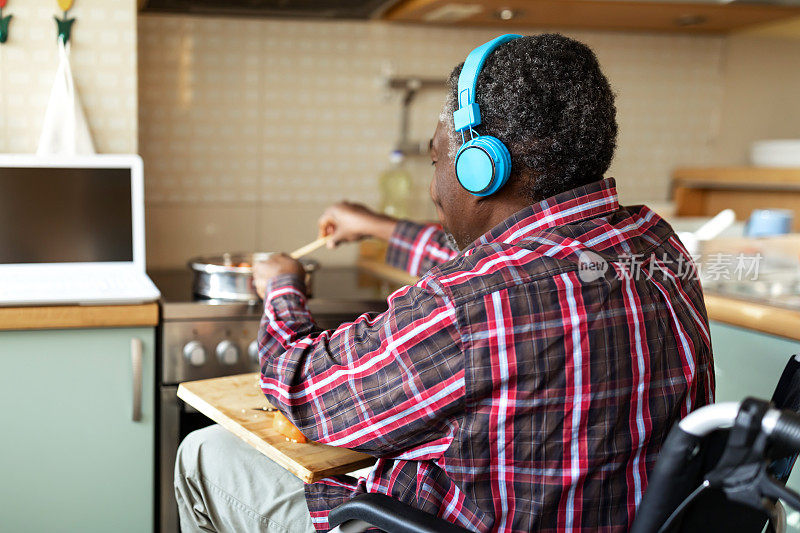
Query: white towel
[[65, 130]]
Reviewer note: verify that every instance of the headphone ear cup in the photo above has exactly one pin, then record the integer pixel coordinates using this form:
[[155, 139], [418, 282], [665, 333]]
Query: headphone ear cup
[[502, 162], [483, 165], [474, 167]]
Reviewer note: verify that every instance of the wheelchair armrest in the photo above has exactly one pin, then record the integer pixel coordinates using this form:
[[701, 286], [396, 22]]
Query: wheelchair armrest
[[390, 515]]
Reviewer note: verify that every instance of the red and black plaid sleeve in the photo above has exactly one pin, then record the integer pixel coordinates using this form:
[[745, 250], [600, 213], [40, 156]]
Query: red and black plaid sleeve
[[416, 248], [383, 384]]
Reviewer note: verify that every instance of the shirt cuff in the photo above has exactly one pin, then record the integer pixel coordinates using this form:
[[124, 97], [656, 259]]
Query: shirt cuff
[[285, 291]]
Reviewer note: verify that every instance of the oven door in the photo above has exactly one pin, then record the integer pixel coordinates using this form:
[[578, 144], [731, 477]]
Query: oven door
[[177, 421]]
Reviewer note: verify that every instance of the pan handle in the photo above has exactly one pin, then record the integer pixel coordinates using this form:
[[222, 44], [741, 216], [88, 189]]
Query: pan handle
[[136, 364]]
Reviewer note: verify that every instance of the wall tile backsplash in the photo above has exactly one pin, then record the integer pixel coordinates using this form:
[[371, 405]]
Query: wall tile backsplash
[[283, 117], [284, 111], [250, 127], [292, 115]]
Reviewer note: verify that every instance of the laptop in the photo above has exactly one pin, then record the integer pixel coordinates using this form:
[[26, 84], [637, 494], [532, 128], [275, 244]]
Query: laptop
[[72, 231]]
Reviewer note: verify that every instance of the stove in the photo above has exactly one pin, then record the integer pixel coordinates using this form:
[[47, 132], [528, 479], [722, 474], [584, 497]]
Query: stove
[[200, 339], [205, 338]]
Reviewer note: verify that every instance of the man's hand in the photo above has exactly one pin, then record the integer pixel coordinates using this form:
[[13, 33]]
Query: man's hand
[[349, 222], [274, 265]]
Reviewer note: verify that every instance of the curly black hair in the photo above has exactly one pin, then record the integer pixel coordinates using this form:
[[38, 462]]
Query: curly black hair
[[547, 100]]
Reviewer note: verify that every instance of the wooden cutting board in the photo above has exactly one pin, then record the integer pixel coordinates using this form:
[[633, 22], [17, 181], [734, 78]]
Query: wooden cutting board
[[234, 401]]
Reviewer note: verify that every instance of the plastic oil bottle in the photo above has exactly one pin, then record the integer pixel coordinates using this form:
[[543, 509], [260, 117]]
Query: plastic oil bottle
[[395, 187]]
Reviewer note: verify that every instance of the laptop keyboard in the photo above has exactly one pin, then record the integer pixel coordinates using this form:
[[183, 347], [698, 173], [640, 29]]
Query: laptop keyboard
[[76, 288]]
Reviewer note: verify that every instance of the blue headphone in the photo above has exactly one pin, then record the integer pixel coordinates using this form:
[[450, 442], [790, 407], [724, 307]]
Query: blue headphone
[[483, 163]]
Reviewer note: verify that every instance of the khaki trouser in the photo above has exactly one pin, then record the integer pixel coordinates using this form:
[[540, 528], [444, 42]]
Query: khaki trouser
[[223, 484]]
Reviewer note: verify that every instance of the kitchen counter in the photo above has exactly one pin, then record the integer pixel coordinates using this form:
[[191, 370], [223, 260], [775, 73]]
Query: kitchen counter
[[754, 315], [78, 316]]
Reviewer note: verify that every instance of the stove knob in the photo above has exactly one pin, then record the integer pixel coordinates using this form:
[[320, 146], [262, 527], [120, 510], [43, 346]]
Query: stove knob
[[252, 351], [227, 352], [194, 352]]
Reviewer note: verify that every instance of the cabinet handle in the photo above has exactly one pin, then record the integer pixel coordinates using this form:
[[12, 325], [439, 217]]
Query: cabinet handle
[[136, 364]]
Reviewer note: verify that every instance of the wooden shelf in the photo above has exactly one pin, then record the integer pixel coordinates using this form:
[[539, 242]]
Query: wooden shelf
[[593, 14], [707, 191], [78, 316], [732, 177]]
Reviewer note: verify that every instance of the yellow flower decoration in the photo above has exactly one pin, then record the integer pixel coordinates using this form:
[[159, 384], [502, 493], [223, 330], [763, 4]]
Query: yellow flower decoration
[[65, 5]]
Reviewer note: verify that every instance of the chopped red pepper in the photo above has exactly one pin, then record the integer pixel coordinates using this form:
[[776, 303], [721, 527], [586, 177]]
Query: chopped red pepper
[[282, 425]]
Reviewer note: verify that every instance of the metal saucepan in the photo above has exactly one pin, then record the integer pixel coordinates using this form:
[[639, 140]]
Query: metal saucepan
[[230, 276]]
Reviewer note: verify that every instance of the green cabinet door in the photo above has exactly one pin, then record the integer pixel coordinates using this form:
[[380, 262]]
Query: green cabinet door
[[749, 363], [71, 457]]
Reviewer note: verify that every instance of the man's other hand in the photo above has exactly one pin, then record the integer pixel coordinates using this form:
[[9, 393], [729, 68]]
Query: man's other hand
[[349, 222], [272, 266]]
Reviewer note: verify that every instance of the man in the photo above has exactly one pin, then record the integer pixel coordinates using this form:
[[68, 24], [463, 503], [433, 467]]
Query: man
[[525, 382]]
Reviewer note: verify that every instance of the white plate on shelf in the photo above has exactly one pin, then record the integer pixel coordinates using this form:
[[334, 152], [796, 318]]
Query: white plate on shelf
[[776, 153]]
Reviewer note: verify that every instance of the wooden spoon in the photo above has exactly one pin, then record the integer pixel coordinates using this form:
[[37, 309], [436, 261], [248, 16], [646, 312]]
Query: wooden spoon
[[310, 247]]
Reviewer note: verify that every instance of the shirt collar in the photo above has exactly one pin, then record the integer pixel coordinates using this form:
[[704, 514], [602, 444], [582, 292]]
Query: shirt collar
[[588, 201]]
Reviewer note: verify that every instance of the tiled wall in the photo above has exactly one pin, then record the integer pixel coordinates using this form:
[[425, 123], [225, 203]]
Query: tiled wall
[[103, 59], [762, 93], [248, 128]]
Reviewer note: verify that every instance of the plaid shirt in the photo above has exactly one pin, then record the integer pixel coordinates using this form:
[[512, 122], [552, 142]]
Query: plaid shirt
[[518, 385]]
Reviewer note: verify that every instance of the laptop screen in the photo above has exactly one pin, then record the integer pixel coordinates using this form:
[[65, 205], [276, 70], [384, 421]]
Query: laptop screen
[[65, 215]]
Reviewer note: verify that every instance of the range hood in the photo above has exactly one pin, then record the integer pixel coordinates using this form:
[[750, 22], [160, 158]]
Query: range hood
[[313, 9]]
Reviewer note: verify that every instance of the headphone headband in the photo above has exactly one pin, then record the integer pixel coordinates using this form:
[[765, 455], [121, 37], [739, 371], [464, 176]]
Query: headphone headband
[[468, 115]]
